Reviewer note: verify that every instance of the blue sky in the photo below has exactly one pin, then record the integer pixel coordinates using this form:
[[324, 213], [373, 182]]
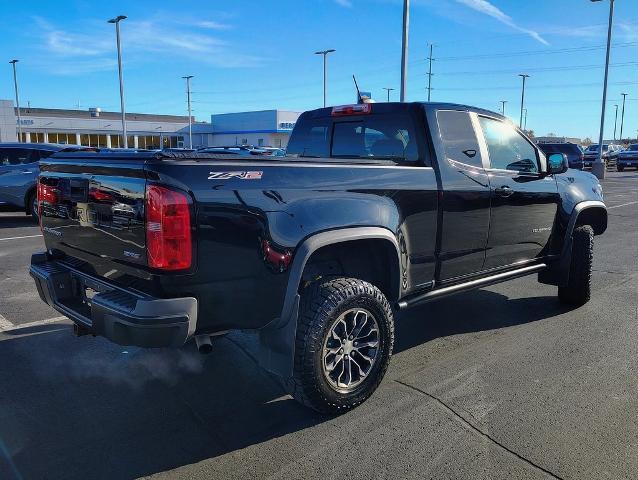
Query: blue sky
[[258, 54]]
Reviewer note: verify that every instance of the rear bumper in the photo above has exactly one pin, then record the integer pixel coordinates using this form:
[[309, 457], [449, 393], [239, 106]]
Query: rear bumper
[[122, 316]]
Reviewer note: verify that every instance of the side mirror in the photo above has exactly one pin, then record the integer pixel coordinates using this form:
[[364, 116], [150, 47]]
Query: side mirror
[[557, 163]]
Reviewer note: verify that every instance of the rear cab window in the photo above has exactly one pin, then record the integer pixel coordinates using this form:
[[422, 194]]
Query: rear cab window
[[387, 133]]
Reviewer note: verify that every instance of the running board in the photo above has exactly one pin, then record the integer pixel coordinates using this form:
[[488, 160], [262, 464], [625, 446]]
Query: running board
[[471, 285]]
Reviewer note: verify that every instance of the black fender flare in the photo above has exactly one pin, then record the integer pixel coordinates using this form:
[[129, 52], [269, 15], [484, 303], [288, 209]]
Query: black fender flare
[[277, 339], [558, 274]]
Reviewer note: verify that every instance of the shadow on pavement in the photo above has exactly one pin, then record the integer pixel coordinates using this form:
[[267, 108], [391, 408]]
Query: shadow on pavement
[[84, 408], [474, 311], [17, 220]]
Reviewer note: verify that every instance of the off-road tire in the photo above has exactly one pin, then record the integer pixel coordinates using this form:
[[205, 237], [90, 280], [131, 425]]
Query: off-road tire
[[578, 289], [321, 304]]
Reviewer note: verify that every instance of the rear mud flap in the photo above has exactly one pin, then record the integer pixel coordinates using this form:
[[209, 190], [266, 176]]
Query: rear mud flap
[[277, 344]]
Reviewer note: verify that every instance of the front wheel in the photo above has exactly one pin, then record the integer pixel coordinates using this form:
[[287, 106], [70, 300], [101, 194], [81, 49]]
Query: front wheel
[[343, 346], [578, 289]]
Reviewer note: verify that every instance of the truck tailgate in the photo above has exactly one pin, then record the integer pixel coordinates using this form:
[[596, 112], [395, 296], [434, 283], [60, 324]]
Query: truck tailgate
[[94, 211]]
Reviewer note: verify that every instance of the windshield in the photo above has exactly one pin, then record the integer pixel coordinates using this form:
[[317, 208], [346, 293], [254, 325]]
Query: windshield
[[383, 137]]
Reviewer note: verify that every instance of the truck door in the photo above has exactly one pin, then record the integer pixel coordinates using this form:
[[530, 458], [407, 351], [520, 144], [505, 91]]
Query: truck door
[[524, 202], [465, 199]]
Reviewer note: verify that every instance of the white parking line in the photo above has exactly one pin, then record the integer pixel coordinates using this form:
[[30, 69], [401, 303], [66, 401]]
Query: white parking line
[[622, 205], [20, 238], [6, 325]]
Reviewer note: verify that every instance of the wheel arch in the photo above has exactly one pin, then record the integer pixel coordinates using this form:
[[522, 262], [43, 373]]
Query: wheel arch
[[277, 339], [27, 205], [590, 212], [593, 213], [381, 237]]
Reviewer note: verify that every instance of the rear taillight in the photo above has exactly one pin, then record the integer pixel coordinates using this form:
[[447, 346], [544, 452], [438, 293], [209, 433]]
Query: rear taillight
[[168, 229], [46, 194], [359, 109]]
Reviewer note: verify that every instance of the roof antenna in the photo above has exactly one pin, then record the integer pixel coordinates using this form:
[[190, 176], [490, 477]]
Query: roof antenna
[[359, 99]]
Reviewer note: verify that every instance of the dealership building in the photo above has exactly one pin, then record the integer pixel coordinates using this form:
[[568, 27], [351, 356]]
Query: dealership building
[[96, 128]]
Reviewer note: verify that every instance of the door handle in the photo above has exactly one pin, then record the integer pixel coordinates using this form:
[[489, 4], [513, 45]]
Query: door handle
[[27, 172], [470, 153], [504, 191]]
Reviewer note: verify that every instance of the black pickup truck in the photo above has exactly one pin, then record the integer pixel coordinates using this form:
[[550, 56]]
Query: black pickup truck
[[376, 208]]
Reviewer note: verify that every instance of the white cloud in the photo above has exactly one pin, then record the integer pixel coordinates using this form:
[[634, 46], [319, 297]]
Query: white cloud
[[212, 25], [91, 46], [623, 31], [344, 3], [486, 8]]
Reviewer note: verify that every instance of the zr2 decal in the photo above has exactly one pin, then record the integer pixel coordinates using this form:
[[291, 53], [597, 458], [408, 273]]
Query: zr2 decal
[[255, 175]]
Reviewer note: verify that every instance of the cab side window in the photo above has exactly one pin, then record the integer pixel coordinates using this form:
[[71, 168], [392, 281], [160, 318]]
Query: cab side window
[[459, 138], [508, 149]]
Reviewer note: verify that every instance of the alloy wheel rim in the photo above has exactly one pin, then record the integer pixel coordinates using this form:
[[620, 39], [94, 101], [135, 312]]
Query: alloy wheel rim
[[350, 350]]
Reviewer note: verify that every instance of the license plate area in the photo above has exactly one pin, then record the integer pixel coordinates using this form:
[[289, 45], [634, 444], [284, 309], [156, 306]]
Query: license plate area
[[85, 289]]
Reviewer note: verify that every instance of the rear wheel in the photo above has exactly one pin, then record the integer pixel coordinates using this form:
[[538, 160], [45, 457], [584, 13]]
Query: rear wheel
[[344, 342], [32, 203], [578, 289]]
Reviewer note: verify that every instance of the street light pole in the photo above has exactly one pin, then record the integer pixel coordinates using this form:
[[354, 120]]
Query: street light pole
[[598, 168], [15, 85], [325, 70], [388, 89], [503, 102], [404, 49], [525, 121], [524, 76], [188, 101], [622, 116], [615, 122], [117, 21]]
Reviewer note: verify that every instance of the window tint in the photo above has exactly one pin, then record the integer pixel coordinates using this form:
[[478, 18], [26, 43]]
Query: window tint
[[381, 136], [44, 153], [310, 138], [459, 139], [387, 136], [17, 156], [508, 149]]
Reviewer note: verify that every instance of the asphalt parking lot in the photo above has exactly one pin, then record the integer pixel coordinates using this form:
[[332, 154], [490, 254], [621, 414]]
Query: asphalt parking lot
[[497, 383]]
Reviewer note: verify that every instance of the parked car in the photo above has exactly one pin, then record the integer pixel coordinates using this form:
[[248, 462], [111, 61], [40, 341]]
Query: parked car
[[571, 150], [274, 151], [18, 173], [179, 150], [235, 150], [610, 153], [375, 209], [628, 158]]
